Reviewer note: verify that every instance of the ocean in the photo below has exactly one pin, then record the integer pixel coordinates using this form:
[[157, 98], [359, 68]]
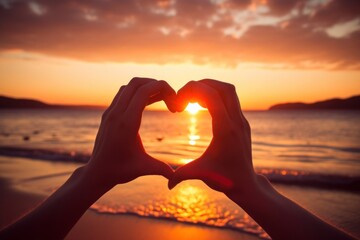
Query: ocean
[[313, 157]]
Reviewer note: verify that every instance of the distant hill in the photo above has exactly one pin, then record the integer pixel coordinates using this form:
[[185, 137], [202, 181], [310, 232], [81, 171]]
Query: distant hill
[[17, 103], [336, 103], [348, 103]]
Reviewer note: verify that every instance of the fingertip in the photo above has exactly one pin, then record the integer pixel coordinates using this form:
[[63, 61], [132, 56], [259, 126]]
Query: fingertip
[[171, 103], [181, 107], [157, 167], [168, 173], [165, 170], [183, 173], [172, 184], [169, 96], [181, 103], [176, 178]]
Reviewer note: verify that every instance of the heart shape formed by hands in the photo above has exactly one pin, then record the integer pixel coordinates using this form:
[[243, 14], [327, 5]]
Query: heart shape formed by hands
[[120, 157], [226, 165]]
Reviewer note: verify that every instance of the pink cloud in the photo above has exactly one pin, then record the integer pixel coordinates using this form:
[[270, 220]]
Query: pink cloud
[[150, 31]]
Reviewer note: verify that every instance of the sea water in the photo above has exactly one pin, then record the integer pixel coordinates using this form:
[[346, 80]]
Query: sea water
[[312, 156]]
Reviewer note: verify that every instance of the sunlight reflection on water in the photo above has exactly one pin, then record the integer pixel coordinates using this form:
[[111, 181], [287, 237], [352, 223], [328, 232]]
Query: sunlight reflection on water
[[190, 202], [193, 136]]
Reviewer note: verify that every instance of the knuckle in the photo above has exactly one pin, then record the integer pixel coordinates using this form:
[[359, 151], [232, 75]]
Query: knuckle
[[138, 81], [228, 86], [104, 115], [134, 80], [192, 82], [143, 91], [110, 117], [163, 83], [231, 87], [122, 87], [244, 126], [207, 80], [247, 125]]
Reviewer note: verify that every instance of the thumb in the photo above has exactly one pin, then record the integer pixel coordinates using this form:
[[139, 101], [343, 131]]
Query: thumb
[[183, 173], [210, 177], [156, 167]]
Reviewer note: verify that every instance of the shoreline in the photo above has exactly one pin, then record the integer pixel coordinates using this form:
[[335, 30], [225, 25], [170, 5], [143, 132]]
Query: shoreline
[[92, 225], [282, 176], [25, 183]]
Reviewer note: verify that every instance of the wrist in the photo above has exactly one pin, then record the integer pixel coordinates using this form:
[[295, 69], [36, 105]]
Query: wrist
[[85, 178], [252, 190]]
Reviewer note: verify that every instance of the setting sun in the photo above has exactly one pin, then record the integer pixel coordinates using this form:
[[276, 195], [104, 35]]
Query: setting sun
[[193, 108]]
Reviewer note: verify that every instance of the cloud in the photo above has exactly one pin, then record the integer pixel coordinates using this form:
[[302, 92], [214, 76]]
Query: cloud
[[337, 11], [282, 7], [222, 32]]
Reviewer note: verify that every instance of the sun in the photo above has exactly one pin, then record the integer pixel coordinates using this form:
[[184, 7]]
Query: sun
[[193, 108]]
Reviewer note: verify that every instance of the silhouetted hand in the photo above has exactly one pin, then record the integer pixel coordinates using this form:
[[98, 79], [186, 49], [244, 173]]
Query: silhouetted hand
[[118, 155], [226, 165]]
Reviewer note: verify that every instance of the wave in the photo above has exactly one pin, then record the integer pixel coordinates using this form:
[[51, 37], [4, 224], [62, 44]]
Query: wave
[[302, 178], [281, 176], [45, 154], [244, 225], [318, 146]]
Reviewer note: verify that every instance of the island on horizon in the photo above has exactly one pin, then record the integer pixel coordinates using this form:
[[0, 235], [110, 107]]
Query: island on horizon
[[24, 103], [351, 103]]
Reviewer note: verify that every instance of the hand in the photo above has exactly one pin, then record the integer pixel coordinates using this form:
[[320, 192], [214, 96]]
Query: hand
[[226, 165], [118, 155]]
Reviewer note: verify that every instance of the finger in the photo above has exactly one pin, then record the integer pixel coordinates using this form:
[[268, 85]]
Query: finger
[[134, 84], [171, 105], [186, 95], [228, 94], [196, 91], [216, 181], [106, 112], [183, 173], [156, 167], [210, 177], [142, 96], [115, 99]]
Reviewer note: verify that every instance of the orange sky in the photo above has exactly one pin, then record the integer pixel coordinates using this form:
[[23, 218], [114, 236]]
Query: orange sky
[[81, 52]]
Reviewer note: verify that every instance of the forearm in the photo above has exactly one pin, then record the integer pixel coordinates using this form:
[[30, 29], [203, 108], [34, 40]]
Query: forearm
[[280, 217], [55, 217]]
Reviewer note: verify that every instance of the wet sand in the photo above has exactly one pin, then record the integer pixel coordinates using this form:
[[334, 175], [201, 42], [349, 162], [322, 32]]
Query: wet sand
[[15, 203]]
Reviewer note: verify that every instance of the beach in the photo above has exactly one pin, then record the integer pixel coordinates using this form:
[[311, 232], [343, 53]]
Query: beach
[[21, 192], [14, 203]]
